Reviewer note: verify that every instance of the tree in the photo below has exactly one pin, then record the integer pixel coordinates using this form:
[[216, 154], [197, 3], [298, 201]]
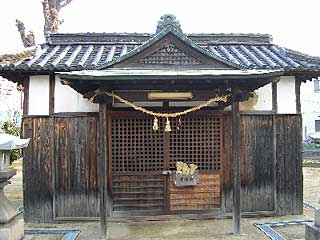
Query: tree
[[27, 39], [51, 9]]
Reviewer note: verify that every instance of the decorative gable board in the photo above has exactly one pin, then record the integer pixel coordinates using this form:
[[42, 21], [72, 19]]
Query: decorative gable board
[[169, 51], [170, 54]]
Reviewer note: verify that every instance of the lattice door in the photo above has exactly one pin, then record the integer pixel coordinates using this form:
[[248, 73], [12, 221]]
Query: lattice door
[[197, 141], [138, 160], [139, 155]]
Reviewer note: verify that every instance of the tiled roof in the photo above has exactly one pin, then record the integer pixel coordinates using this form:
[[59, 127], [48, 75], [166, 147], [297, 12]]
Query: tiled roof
[[67, 52], [17, 57]]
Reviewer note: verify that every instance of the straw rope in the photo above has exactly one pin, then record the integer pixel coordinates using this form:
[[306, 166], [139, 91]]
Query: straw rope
[[167, 115]]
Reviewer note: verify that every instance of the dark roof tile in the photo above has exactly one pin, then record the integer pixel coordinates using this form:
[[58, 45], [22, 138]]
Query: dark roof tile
[[66, 52]]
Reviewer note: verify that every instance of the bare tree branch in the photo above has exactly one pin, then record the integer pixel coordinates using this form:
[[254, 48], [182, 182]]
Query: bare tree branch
[[28, 40], [51, 9], [64, 3]]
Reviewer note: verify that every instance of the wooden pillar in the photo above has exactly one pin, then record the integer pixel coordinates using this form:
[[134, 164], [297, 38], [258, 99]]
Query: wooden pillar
[[26, 83], [52, 83], [103, 168], [298, 100], [274, 97], [236, 163], [274, 142]]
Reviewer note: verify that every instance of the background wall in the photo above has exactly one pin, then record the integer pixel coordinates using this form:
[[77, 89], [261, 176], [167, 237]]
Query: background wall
[[68, 100], [263, 102], [310, 107], [286, 95], [39, 95]]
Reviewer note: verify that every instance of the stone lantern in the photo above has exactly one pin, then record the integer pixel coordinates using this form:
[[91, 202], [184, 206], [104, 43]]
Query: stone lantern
[[11, 228], [4, 160]]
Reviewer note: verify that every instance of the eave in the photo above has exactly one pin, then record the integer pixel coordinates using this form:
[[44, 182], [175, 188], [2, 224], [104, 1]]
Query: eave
[[153, 74]]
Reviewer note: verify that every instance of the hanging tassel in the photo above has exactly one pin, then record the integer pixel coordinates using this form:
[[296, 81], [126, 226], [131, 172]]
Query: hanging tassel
[[155, 124], [179, 124], [167, 128]]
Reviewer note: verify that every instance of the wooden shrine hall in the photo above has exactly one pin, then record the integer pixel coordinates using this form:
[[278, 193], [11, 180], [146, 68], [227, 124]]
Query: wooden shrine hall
[[163, 123]]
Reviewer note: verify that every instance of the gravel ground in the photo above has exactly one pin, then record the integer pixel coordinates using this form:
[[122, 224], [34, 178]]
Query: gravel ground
[[311, 186], [177, 229]]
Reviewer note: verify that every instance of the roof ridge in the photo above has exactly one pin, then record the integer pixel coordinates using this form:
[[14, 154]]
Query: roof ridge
[[157, 37], [300, 54], [141, 33], [104, 37]]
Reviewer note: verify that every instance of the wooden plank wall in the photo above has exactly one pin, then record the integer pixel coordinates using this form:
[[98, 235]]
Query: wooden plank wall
[[76, 178], [256, 160], [37, 170], [258, 188], [205, 195], [69, 145], [138, 192], [289, 165]]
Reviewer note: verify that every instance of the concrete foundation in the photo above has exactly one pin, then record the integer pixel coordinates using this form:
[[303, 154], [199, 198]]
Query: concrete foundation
[[312, 232], [313, 229], [14, 230], [317, 218]]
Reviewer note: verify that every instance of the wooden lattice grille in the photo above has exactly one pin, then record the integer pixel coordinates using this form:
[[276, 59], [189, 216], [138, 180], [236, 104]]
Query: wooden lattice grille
[[197, 141], [138, 192], [170, 54], [135, 146], [139, 155]]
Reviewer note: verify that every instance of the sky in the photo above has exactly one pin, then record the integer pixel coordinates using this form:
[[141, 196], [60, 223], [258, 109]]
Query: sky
[[293, 24]]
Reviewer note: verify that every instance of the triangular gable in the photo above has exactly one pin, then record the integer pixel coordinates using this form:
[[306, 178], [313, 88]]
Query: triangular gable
[[170, 54], [171, 47]]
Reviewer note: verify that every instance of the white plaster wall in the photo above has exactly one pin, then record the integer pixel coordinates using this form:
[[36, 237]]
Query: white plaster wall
[[68, 100], [261, 102], [39, 95], [310, 107], [286, 95], [264, 102]]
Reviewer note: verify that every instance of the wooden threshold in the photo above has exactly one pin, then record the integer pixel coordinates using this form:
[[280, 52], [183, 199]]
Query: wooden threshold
[[175, 215]]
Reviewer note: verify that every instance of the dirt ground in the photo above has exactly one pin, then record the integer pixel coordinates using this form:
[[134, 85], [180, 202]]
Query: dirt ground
[[180, 228]]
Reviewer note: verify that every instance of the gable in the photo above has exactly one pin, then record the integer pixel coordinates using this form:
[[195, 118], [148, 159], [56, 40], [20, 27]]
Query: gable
[[167, 48], [170, 54]]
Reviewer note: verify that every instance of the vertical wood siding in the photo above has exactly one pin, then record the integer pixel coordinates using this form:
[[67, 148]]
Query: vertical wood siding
[[76, 179], [289, 165], [256, 160], [60, 168], [258, 188], [37, 170]]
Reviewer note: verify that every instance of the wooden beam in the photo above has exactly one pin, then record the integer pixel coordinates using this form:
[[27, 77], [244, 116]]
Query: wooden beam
[[26, 83], [275, 97], [103, 168], [52, 83], [298, 100], [274, 156], [236, 162]]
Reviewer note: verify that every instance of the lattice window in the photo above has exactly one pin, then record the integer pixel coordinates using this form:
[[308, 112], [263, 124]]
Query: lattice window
[[170, 54], [197, 141], [135, 146]]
